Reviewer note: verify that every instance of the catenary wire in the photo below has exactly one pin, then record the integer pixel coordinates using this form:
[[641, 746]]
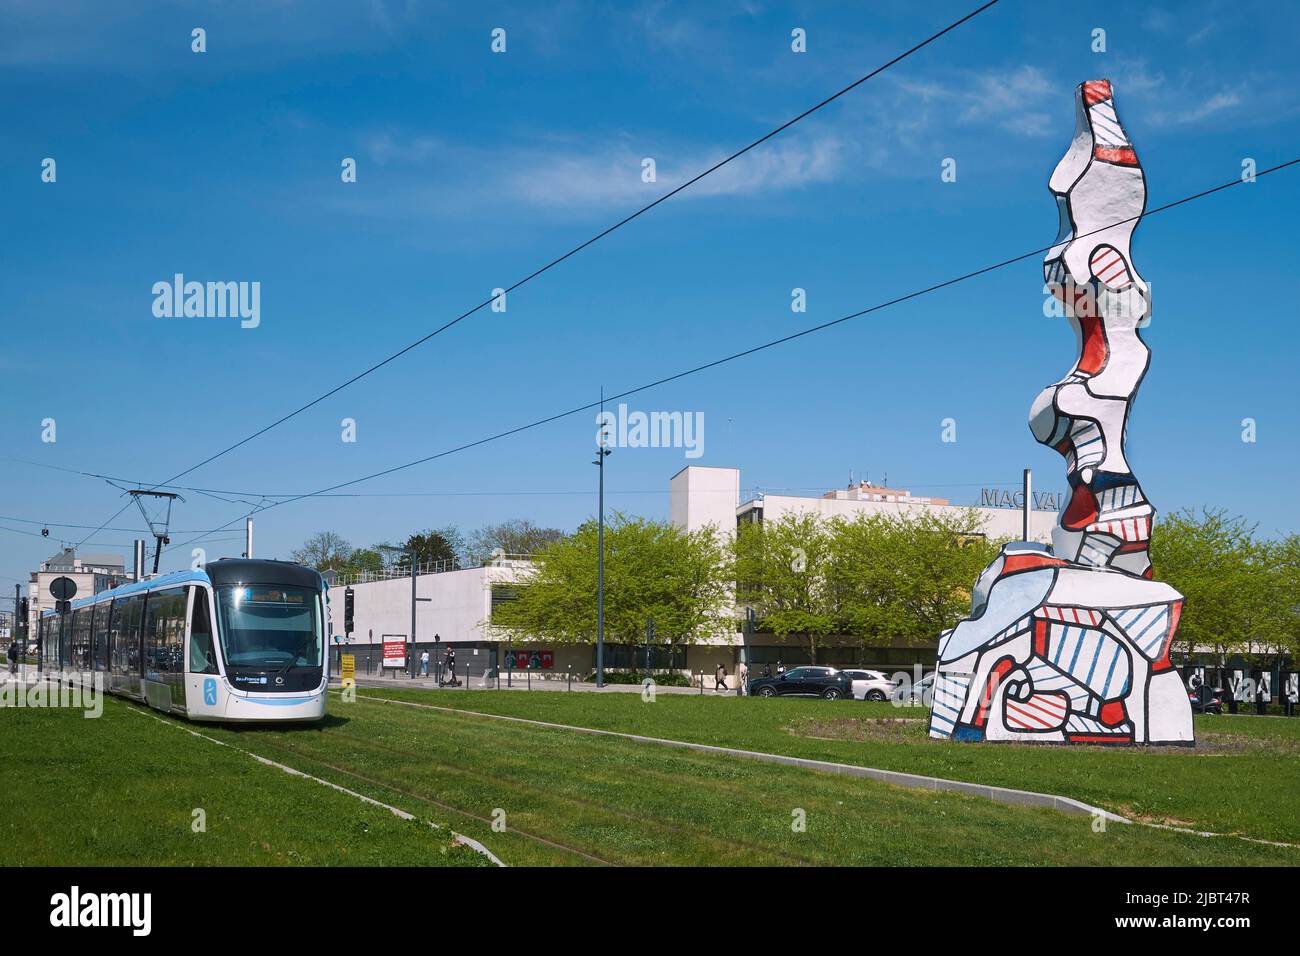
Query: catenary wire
[[577, 249], [755, 349]]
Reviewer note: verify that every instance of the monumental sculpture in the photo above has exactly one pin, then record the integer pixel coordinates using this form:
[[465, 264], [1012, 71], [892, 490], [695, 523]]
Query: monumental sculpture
[[1070, 643]]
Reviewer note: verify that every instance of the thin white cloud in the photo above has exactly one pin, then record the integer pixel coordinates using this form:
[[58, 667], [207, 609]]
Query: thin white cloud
[[1211, 106], [1189, 98], [613, 176], [1015, 100]]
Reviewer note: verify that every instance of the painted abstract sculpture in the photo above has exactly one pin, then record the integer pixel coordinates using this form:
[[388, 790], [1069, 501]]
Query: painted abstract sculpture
[[1070, 644]]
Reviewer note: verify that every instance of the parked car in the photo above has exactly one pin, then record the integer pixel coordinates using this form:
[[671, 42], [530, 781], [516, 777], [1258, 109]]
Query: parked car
[[870, 685], [808, 681], [920, 694]]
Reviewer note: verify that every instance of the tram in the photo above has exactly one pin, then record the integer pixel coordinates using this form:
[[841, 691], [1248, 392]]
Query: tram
[[240, 640]]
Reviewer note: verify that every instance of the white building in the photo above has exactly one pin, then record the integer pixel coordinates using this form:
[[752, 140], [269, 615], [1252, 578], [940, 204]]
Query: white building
[[701, 496], [91, 573]]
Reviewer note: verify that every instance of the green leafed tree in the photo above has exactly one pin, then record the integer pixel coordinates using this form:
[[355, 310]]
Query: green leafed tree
[[1240, 591], [783, 570], [906, 577], [653, 569], [432, 545], [368, 560]]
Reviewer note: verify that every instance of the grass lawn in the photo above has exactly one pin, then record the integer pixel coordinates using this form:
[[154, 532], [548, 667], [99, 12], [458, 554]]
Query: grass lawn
[[120, 790], [571, 798], [1243, 777]]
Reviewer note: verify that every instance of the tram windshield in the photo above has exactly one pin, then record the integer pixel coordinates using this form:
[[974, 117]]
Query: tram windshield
[[270, 626]]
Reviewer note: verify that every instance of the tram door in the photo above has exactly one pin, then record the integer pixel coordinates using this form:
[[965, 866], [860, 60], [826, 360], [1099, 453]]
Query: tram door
[[204, 691], [165, 615]]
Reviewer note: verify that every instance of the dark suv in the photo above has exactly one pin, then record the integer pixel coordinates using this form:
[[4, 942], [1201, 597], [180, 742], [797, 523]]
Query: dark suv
[[804, 682]]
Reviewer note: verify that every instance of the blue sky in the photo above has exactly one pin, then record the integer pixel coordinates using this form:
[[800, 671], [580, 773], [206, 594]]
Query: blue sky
[[475, 168]]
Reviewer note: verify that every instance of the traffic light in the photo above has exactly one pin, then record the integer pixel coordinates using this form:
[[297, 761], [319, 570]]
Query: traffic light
[[23, 610], [349, 601]]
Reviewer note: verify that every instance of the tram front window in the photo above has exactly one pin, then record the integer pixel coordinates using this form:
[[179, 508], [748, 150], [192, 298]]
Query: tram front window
[[271, 636]]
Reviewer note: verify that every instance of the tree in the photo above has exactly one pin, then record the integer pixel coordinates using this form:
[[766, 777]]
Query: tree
[[366, 560], [1284, 558], [516, 536], [431, 545], [782, 571], [324, 551], [653, 569], [906, 577], [1236, 587]]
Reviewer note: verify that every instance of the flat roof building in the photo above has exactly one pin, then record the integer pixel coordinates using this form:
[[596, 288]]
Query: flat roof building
[[91, 573], [702, 496]]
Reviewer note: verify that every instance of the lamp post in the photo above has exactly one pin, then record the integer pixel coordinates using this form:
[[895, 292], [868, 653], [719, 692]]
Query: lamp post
[[649, 636], [601, 453], [1028, 508]]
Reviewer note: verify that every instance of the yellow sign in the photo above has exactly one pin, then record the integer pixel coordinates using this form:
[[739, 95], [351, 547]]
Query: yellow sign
[[347, 666]]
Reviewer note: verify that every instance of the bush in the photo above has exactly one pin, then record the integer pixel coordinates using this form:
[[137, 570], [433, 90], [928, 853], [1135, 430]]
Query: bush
[[662, 679]]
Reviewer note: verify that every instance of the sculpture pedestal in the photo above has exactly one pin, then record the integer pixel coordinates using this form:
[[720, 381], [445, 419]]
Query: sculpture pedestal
[[1058, 653]]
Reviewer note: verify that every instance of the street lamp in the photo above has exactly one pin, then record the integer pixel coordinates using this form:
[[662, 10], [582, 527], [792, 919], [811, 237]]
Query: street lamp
[[601, 453]]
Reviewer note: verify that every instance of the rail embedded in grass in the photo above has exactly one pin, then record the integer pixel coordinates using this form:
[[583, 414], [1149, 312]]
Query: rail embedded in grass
[[1197, 789]]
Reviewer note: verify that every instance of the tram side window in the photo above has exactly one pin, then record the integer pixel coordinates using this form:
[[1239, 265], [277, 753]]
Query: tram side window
[[164, 631], [49, 641], [53, 628], [202, 658], [125, 634], [99, 633], [81, 639]]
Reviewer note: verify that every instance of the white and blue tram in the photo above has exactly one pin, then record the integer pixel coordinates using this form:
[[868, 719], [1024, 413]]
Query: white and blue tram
[[239, 640]]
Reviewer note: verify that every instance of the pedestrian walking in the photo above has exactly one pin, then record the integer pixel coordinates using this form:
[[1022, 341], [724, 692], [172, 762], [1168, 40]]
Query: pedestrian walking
[[720, 679], [742, 680], [767, 670], [13, 657], [780, 668], [424, 663]]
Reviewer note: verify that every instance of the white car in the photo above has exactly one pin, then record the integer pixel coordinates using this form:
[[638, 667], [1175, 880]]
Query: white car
[[920, 694], [870, 685]]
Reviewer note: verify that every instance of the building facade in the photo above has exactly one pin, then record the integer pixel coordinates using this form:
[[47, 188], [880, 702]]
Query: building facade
[[456, 605], [91, 573]]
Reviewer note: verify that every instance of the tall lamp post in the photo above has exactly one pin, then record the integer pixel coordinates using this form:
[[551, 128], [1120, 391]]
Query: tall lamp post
[[601, 453]]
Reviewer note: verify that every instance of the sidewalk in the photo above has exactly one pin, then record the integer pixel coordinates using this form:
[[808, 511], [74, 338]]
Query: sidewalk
[[520, 682]]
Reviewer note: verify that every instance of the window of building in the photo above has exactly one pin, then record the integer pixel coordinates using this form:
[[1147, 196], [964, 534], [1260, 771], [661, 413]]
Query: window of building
[[632, 657]]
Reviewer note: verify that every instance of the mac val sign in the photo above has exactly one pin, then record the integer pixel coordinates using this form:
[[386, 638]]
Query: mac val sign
[[1001, 498]]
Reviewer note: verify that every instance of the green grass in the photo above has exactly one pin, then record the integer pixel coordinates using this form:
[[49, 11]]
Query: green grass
[[120, 790], [1244, 779], [572, 798]]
